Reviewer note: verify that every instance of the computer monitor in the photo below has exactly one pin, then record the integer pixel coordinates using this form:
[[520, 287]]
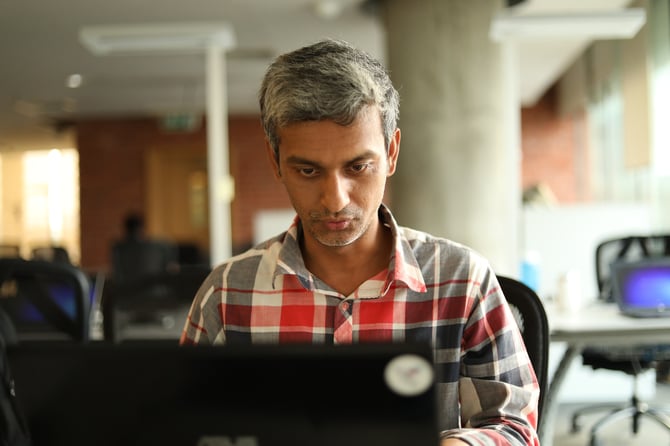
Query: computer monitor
[[144, 393], [32, 323], [47, 300], [63, 295], [642, 288]]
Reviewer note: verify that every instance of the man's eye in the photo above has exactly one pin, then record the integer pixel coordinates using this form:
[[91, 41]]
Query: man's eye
[[358, 168], [307, 171]]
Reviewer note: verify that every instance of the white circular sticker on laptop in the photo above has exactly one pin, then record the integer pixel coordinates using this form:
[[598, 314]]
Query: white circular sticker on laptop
[[409, 375]]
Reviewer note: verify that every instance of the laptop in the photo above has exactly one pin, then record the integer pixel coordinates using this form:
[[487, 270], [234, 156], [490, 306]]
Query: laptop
[[155, 393], [642, 288]]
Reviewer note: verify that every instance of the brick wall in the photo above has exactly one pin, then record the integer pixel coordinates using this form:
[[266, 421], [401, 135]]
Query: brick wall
[[112, 177], [111, 170], [554, 150], [255, 185], [112, 156]]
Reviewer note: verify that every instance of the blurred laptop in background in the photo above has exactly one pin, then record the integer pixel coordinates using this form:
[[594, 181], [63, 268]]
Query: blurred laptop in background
[[642, 288]]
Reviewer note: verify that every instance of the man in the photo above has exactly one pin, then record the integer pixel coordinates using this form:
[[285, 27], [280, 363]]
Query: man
[[346, 272]]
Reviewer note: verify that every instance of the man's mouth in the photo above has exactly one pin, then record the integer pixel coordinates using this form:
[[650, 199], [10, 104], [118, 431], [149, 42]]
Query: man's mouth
[[336, 225]]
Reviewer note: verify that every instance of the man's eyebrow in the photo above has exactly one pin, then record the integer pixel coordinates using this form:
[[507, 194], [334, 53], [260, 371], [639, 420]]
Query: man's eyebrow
[[300, 160], [363, 156]]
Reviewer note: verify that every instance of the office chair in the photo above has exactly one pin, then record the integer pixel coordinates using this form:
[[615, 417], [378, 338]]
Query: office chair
[[45, 300], [136, 258], [190, 254], [56, 254], [7, 330], [532, 320], [630, 361], [153, 306]]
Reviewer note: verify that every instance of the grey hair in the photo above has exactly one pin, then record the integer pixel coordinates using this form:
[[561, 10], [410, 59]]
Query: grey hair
[[330, 80]]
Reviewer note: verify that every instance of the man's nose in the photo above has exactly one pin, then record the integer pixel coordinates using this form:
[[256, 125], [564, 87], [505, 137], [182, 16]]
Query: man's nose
[[335, 192]]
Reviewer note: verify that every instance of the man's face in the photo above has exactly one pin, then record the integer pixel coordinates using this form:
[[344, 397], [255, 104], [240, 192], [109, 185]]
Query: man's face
[[335, 176]]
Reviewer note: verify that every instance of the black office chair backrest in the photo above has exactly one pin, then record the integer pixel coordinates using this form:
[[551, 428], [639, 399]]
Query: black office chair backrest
[[44, 299], [56, 254], [532, 321], [634, 247], [7, 330], [133, 259]]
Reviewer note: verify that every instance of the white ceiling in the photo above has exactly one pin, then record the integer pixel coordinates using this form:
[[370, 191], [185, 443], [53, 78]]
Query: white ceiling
[[40, 47]]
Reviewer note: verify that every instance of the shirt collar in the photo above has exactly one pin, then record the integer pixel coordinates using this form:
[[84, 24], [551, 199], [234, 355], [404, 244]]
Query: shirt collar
[[403, 265]]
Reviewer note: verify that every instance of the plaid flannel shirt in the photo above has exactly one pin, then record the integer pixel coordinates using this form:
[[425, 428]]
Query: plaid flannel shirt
[[434, 290]]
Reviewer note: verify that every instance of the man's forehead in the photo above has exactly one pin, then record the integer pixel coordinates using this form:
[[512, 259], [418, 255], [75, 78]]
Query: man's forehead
[[328, 143]]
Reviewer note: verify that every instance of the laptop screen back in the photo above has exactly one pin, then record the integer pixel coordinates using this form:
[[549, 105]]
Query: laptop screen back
[[298, 395], [642, 288]]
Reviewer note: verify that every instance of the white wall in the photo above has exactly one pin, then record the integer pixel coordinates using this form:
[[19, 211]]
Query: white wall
[[270, 222], [565, 237]]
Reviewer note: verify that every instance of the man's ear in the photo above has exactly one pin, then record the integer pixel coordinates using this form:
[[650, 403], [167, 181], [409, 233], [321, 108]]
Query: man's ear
[[393, 151], [273, 157]]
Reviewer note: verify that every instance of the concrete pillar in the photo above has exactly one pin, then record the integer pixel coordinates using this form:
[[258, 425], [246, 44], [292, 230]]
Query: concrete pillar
[[220, 183], [459, 169]]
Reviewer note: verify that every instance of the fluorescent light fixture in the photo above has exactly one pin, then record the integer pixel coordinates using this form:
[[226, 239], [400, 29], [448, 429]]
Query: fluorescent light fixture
[[622, 24], [74, 80], [154, 38], [327, 9]]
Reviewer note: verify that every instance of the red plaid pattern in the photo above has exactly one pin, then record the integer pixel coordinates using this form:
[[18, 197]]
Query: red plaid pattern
[[434, 290]]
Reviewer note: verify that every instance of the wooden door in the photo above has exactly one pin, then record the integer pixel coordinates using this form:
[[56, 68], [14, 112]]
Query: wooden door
[[177, 194]]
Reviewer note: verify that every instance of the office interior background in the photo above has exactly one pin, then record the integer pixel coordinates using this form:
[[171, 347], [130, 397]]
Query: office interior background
[[77, 154], [590, 146], [593, 147]]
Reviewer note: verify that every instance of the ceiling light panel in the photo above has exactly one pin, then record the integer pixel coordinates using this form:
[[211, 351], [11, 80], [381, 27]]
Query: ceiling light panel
[[155, 38], [623, 24]]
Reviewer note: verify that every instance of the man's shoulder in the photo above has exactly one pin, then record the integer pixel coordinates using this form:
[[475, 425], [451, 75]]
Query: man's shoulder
[[421, 241], [263, 250], [417, 237]]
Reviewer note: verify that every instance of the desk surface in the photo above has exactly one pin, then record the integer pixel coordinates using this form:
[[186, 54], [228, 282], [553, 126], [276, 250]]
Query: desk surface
[[596, 324], [602, 323]]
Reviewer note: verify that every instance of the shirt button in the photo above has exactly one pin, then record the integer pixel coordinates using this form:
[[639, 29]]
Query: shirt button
[[345, 306]]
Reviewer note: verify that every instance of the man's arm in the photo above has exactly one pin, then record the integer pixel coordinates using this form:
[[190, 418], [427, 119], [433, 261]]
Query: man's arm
[[498, 389]]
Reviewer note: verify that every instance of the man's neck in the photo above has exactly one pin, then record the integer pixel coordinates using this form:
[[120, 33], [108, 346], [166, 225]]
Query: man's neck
[[345, 268]]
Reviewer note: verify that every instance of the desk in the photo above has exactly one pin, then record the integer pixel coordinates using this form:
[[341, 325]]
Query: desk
[[597, 324]]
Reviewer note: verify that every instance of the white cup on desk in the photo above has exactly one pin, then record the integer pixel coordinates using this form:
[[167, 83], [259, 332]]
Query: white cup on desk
[[569, 293]]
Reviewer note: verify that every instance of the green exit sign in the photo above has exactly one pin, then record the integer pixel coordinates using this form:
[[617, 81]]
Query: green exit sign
[[181, 122]]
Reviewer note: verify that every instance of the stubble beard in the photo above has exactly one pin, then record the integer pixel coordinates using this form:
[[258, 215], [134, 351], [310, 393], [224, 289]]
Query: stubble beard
[[335, 239]]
